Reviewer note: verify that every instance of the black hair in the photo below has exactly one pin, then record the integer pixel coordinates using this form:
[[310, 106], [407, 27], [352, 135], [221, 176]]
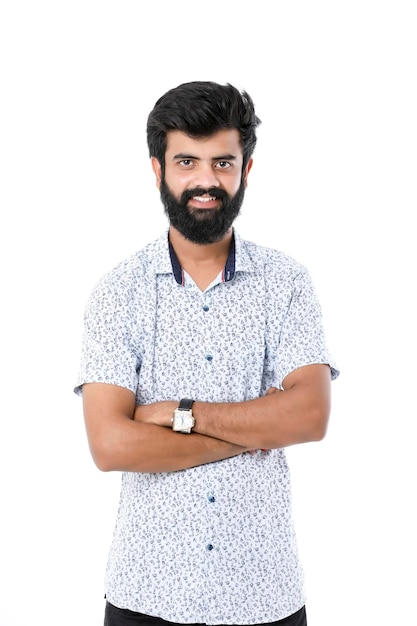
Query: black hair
[[200, 109]]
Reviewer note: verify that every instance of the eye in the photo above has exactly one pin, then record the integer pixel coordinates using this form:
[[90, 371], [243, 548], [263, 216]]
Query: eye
[[223, 165], [186, 162]]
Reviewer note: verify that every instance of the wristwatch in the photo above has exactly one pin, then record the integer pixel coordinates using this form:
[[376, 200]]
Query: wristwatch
[[183, 420]]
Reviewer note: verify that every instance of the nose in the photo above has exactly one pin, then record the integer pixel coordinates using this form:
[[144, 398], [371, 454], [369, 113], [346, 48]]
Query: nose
[[206, 176]]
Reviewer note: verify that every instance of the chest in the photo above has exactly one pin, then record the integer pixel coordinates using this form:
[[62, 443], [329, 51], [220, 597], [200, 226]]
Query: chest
[[214, 345]]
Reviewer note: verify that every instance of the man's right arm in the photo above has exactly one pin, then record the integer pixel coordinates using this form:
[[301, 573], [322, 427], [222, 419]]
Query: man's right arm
[[118, 443]]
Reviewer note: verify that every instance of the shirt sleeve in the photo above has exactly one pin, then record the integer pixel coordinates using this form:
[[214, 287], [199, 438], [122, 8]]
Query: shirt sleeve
[[302, 339], [107, 354]]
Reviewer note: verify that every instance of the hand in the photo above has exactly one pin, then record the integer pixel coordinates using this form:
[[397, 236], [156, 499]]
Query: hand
[[158, 413]]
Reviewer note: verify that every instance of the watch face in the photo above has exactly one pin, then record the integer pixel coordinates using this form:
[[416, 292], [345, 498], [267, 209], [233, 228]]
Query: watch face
[[183, 420]]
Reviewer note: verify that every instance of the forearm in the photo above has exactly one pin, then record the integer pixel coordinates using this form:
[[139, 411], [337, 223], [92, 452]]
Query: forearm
[[263, 423], [119, 442], [260, 423], [297, 414], [136, 447]]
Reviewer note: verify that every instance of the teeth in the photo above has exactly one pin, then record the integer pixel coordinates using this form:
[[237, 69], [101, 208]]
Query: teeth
[[204, 198]]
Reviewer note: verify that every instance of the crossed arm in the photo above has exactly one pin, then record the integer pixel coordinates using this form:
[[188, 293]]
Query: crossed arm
[[126, 437]]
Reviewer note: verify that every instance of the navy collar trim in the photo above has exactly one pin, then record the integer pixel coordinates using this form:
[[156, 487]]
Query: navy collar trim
[[228, 272]]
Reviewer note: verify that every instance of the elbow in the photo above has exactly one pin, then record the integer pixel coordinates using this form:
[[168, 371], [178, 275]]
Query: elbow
[[317, 424], [306, 428], [102, 457], [103, 464]]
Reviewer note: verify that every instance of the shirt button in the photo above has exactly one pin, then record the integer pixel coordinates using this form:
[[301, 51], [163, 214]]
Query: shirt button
[[206, 308], [210, 547], [209, 358], [212, 499]]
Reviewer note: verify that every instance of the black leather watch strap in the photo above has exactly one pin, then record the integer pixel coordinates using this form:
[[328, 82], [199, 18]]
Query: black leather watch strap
[[185, 404]]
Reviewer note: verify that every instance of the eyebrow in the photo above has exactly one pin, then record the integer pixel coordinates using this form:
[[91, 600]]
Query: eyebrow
[[223, 157]]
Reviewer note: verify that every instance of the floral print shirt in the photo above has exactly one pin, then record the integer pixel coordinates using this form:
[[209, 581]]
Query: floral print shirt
[[214, 544]]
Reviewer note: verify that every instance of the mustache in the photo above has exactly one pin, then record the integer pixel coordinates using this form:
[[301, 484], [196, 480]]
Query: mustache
[[212, 191]]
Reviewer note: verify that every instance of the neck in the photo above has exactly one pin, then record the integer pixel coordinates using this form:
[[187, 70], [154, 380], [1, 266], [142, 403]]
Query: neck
[[202, 262]]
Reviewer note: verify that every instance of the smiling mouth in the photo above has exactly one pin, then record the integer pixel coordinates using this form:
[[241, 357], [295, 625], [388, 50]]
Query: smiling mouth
[[203, 199], [204, 205]]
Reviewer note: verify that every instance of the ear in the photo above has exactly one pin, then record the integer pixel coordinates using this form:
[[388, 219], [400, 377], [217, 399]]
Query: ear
[[246, 172], [157, 170]]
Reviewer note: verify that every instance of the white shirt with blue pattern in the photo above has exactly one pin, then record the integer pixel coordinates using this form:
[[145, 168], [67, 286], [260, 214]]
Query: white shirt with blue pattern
[[214, 544]]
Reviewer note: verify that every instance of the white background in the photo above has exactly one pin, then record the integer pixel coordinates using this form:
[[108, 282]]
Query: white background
[[333, 184]]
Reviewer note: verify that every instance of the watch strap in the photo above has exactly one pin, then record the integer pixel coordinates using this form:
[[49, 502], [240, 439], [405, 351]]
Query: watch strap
[[185, 404]]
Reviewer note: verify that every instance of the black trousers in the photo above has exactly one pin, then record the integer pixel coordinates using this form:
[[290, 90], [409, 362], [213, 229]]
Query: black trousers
[[123, 617]]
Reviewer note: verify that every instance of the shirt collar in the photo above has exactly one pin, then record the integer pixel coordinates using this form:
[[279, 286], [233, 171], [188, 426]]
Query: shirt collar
[[165, 260]]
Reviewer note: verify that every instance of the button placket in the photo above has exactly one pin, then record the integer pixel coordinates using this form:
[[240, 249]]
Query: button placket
[[206, 308]]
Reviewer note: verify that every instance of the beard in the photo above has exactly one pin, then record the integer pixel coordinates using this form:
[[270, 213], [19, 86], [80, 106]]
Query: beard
[[202, 226]]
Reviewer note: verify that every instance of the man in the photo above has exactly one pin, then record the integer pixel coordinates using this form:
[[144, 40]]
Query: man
[[203, 358]]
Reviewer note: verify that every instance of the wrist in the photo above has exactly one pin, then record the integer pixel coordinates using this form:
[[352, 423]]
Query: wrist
[[157, 413], [182, 420]]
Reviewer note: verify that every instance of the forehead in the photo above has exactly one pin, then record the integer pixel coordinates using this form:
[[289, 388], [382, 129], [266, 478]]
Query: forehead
[[222, 143]]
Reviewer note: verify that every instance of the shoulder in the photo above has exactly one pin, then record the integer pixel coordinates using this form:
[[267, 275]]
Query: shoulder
[[131, 276], [272, 260]]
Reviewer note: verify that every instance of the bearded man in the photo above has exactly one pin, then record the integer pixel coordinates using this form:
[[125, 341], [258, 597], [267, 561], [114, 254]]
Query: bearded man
[[203, 357]]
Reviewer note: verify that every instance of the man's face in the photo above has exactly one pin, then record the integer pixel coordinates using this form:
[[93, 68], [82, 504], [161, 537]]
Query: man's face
[[203, 187]]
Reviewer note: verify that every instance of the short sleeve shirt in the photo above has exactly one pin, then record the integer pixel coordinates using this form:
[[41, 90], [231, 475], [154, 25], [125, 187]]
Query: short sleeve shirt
[[214, 544]]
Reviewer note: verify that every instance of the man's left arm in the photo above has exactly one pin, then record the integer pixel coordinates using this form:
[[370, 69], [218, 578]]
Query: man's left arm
[[297, 414]]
